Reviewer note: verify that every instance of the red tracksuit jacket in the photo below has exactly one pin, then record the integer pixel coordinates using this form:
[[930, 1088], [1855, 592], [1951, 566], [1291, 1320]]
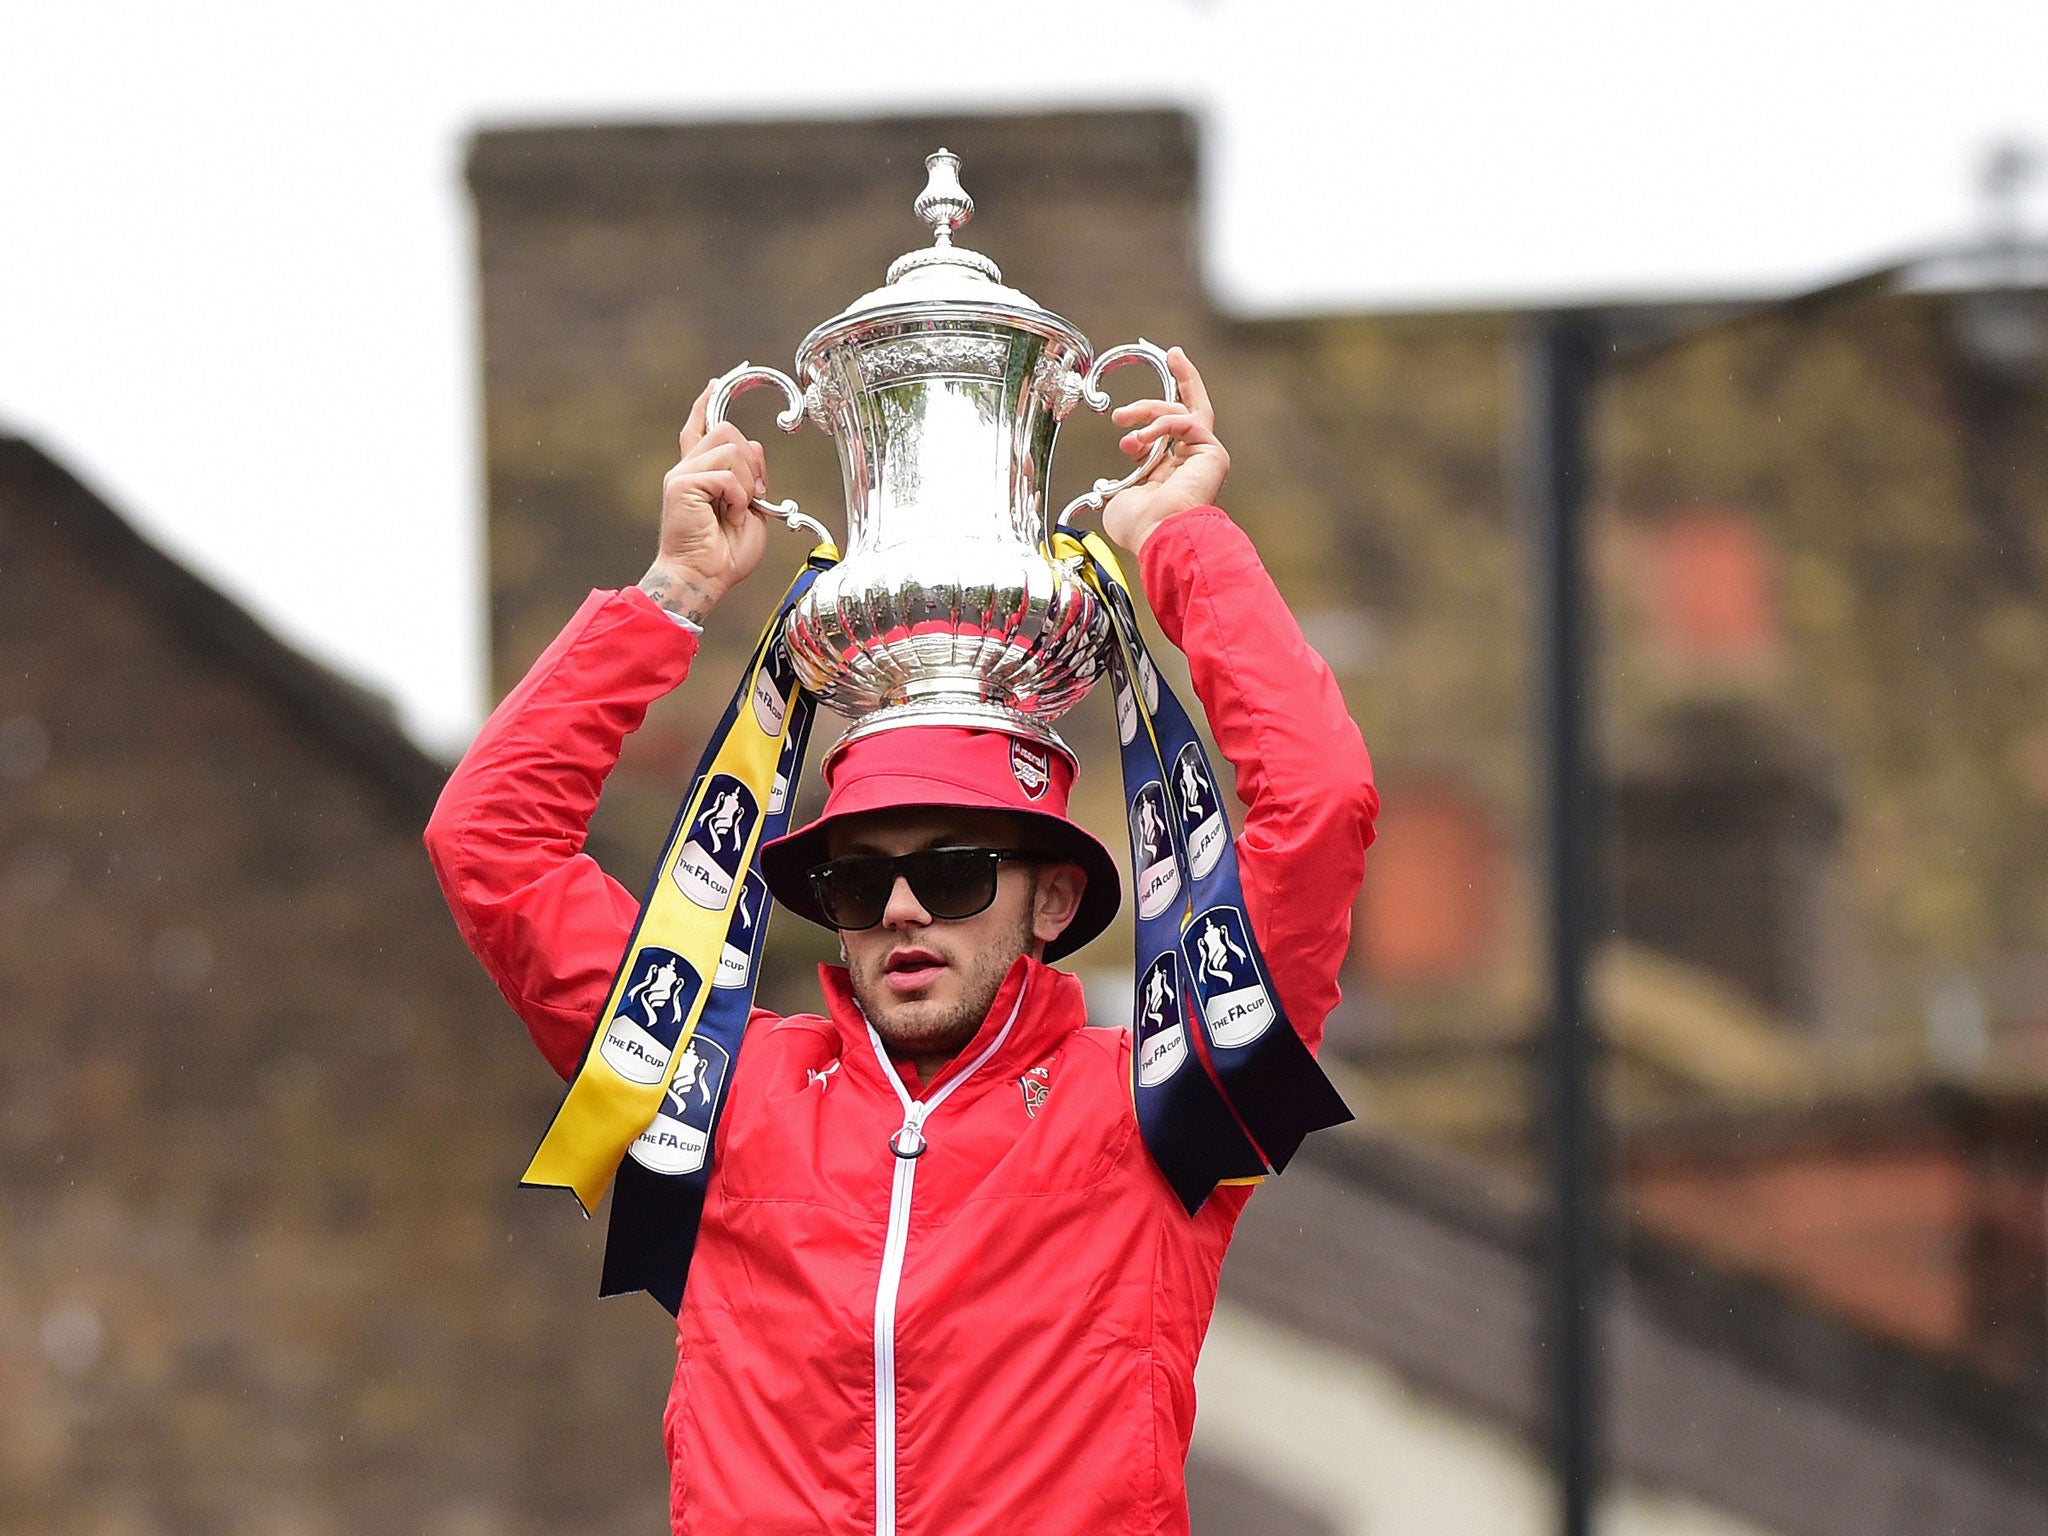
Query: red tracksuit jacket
[[999, 1336]]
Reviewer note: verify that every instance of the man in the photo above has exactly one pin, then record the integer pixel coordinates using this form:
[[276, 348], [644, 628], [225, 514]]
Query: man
[[939, 1286]]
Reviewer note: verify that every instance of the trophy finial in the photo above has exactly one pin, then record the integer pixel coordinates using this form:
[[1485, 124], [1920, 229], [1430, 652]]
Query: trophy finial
[[944, 203], [945, 206]]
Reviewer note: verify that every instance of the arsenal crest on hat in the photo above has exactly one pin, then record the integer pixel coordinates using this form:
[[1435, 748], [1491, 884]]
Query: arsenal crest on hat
[[1032, 768]]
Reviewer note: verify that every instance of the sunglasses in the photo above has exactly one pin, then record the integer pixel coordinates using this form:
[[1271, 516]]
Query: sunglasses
[[948, 883]]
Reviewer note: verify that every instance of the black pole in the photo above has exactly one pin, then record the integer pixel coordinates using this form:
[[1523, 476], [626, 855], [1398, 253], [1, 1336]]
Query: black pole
[[1560, 372]]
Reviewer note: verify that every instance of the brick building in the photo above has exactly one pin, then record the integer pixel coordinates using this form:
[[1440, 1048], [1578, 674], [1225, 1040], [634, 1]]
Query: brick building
[[262, 1265]]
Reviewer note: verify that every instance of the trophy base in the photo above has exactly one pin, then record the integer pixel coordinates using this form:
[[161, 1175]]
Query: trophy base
[[971, 714]]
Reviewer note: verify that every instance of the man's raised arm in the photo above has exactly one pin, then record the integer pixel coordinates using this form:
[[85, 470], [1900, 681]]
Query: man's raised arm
[[1302, 768], [506, 839]]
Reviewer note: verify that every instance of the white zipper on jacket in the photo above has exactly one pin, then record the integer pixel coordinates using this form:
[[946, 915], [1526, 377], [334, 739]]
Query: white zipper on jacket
[[908, 1144]]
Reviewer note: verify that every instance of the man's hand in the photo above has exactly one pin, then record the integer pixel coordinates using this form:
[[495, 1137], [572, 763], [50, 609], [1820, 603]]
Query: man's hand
[[710, 539], [1190, 475]]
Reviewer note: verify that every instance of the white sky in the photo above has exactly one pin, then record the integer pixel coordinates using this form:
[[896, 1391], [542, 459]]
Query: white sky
[[236, 278]]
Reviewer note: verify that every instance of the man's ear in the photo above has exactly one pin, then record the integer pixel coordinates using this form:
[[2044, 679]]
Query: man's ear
[[1056, 900]]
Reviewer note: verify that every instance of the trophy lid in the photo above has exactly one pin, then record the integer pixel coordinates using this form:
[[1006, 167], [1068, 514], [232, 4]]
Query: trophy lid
[[942, 273]]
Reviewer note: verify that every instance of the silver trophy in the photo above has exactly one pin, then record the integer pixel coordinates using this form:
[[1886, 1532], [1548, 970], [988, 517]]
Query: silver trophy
[[944, 391]]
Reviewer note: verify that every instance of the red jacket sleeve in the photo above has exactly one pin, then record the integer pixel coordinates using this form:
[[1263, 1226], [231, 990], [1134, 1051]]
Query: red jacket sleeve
[[1302, 768], [506, 839]]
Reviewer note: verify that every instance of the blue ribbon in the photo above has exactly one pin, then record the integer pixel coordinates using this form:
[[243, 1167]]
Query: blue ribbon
[[1242, 1109]]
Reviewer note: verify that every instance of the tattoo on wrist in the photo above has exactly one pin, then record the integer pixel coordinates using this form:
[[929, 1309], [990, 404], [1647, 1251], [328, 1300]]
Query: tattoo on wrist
[[680, 594]]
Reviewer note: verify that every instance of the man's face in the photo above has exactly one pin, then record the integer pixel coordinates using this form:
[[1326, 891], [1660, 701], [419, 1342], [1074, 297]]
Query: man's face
[[927, 983]]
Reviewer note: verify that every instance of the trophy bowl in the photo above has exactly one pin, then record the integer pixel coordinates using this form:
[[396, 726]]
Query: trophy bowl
[[943, 391]]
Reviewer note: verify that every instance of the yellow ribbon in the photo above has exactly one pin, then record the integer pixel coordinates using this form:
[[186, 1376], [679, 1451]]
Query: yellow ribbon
[[605, 1110]]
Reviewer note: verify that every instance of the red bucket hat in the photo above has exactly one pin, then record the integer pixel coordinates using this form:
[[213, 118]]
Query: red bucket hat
[[952, 766]]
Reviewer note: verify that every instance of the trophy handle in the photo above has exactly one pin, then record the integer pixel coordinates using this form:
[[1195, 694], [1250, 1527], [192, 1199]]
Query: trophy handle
[[1088, 392], [737, 382]]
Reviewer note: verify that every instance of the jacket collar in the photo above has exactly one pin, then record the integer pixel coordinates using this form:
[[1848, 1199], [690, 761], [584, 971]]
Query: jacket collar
[[1053, 1007]]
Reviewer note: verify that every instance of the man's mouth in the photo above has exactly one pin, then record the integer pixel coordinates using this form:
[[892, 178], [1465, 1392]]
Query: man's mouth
[[911, 970]]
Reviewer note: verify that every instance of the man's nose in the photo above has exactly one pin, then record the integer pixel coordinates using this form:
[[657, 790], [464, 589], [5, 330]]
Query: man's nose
[[904, 909]]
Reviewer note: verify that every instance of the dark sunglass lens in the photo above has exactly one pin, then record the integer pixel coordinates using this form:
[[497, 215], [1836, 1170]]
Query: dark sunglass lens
[[953, 882], [854, 892]]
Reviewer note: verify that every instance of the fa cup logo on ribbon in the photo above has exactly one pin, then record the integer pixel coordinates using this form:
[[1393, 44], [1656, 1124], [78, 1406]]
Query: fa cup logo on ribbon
[[1152, 860], [710, 861], [678, 1140], [1162, 1038], [1234, 1000], [1202, 825], [650, 1015]]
